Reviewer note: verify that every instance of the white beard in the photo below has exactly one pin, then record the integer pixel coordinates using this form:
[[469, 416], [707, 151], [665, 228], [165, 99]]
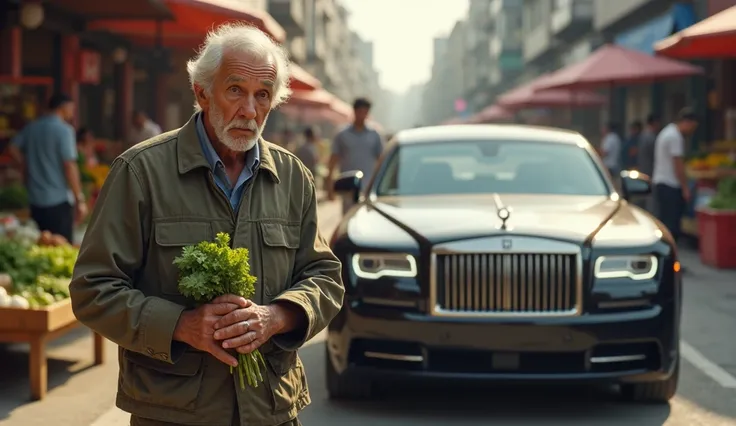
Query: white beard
[[241, 144]]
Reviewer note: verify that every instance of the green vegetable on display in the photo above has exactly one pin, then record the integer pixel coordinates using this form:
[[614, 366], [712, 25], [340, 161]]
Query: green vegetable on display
[[208, 270], [725, 197]]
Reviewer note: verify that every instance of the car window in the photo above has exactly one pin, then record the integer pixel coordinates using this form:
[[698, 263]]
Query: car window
[[479, 167]]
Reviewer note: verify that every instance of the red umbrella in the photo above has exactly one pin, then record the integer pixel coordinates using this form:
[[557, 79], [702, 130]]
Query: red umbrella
[[613, 64], [492, 114], [530, 96], [714, 37]]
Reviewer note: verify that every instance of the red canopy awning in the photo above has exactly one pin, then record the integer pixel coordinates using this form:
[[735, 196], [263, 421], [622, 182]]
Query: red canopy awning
[[302, 80], [317, 105], [612, 64], [714, 37], [192, 20], [491, 114], [530, 96]]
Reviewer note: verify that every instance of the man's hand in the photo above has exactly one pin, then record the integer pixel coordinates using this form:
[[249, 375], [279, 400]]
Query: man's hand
[[197, 327], [248, 328], [81, 211]]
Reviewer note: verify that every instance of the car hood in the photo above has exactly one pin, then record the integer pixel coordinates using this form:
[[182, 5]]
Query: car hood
[[444, 218]]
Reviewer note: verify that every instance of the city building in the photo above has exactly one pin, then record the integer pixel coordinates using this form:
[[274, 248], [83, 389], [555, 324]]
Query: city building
[[443, 96]]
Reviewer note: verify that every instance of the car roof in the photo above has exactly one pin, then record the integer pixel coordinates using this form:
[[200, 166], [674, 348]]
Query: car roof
[[470, 132]]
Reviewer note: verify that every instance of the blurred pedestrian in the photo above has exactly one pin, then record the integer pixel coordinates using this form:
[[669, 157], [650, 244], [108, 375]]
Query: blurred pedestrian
[[308, 151], [630, 151], [671, 190], [215, 174], [610, 150], [46, 150], [356, 148], [645, 156], [143, 128], [86, 148]]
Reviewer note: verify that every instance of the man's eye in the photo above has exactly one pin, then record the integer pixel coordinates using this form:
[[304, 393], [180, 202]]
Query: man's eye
[[264, 94], [234, 89]]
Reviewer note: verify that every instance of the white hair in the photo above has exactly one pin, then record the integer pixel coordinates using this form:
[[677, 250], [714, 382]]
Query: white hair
[[239, 38]]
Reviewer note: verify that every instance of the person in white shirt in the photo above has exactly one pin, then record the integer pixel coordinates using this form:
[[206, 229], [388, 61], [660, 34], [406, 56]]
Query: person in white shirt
[[143, 128], [671, 191], [611, 150]]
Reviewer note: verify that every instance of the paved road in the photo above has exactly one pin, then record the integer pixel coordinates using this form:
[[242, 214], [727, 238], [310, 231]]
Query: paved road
[[82, 396]]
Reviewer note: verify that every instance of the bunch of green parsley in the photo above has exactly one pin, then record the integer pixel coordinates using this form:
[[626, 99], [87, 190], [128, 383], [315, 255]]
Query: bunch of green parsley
[[208, 270]]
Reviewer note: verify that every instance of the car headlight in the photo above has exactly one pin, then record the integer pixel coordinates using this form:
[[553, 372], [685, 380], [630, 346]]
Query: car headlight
[[635, 267], [372, 266]]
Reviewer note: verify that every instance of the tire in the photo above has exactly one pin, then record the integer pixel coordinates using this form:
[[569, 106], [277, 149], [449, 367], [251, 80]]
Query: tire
[[342, 386], [652, 392]]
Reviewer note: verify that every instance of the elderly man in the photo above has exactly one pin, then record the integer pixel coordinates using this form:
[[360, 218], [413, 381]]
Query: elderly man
[[215, 174]]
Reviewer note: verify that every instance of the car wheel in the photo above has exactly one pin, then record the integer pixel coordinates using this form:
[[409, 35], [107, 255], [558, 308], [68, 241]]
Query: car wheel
[[653, 392], [342, 386]]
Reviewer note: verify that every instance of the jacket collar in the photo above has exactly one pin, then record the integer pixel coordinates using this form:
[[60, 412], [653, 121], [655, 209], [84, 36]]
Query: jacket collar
[[190, 156]]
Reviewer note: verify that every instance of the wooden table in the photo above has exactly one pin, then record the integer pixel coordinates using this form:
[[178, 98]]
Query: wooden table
[[37, 327]]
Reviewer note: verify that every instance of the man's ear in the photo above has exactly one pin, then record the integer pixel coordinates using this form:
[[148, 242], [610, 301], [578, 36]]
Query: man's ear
[[201, 96]]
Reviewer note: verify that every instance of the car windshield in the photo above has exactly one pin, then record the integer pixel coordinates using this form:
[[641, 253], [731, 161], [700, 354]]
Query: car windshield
[[482, 167]]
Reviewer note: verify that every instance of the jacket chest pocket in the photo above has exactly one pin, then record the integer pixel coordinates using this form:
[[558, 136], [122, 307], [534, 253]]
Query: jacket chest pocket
[[280, 244], [170, 238]]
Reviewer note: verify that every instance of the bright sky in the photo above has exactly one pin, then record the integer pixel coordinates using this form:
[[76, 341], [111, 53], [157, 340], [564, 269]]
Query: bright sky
[[402, 32]]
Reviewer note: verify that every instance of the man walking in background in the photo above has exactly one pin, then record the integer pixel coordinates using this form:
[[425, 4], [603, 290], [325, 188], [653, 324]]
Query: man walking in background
[[611, 150], [671, 191], [645, 155], [46, 151], [308, 151], [630, 152], [357, 147]]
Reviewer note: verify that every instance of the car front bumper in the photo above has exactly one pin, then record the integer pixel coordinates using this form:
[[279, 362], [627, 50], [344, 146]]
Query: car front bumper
[[635, 346]]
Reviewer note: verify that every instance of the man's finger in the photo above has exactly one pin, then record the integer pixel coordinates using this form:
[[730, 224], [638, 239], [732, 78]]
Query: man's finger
[[242, 340], [223, 355], [222, 309], [234, 330], [231, 298], [246, 349], [234, 317]]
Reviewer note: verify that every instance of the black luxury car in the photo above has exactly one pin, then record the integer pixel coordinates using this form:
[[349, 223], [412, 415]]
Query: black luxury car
[[502, 252]]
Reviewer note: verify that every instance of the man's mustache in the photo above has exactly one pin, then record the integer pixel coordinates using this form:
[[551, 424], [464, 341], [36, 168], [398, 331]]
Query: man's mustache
[[243, 125]]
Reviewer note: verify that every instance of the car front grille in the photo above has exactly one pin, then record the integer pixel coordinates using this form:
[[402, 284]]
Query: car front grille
[[506, 284]]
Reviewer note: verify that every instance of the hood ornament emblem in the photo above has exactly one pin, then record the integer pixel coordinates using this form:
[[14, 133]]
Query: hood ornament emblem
[[503, 212]]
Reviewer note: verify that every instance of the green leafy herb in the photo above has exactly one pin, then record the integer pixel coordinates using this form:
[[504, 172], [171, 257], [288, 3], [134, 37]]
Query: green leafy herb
[[208, 270]]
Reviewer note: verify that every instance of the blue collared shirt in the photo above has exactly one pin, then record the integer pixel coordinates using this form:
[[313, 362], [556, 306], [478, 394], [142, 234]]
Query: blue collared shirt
[[233, 192]]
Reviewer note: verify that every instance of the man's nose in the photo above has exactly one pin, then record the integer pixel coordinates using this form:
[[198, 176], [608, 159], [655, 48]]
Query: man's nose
[[248, 108]]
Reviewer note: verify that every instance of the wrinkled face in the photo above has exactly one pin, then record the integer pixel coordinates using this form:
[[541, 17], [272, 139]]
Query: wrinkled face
[[239, 100], [361, 114]]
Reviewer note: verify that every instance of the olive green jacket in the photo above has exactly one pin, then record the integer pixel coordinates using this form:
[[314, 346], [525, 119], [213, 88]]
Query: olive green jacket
[[159, 197]]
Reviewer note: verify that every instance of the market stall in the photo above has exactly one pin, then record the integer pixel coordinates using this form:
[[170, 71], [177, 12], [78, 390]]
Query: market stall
[[717, 225], [705, 171], [35, 270]]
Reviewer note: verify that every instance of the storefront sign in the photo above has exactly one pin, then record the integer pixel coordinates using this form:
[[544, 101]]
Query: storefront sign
[[90, 67]]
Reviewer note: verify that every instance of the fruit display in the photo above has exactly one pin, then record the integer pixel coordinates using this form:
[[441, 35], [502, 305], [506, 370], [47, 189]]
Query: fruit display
[[35, 268], [714, 160]]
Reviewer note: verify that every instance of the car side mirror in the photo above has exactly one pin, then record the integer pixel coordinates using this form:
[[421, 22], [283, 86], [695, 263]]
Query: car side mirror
[[349, 183], [635, 183]]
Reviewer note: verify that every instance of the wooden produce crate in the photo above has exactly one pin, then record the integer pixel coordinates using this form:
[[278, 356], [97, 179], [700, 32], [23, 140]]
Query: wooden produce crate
[[37, 327]]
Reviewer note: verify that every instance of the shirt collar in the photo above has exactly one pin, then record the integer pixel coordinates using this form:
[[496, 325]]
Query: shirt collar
[[252, 157]]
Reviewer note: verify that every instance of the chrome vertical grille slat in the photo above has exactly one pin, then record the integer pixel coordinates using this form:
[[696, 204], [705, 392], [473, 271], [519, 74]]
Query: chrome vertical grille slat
[[506, 284]]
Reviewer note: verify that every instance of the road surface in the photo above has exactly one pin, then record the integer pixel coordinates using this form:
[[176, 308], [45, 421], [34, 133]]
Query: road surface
[[81, 395]]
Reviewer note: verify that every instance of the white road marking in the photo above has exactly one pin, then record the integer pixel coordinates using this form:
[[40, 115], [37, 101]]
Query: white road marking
[[706, 366]]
